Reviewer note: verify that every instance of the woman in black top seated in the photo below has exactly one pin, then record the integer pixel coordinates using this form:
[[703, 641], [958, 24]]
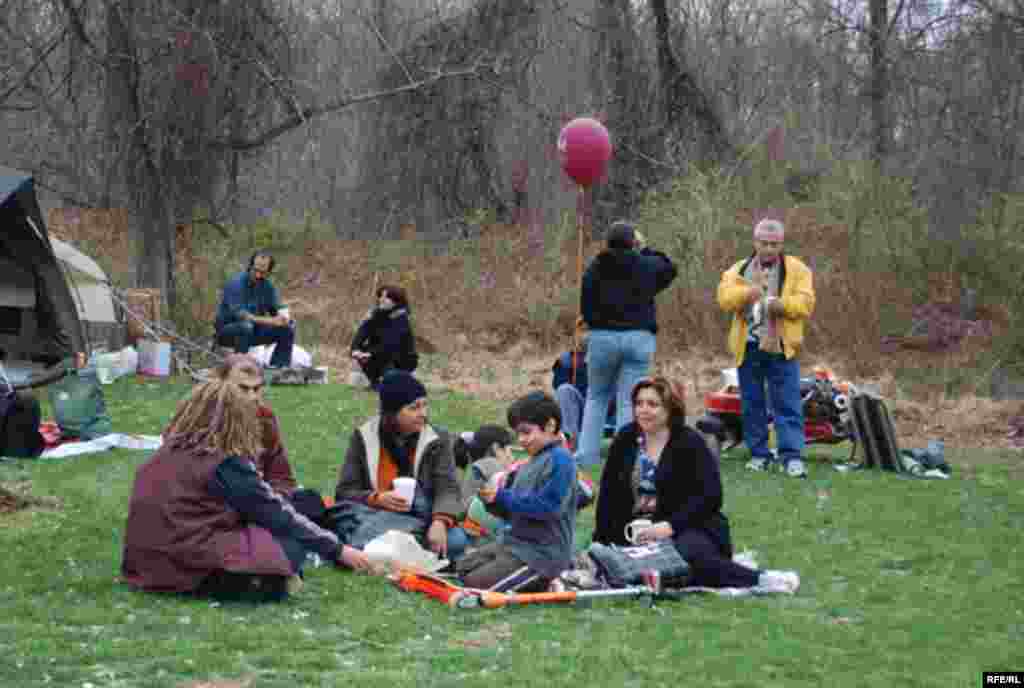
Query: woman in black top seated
[[660, 469], [385, 339]]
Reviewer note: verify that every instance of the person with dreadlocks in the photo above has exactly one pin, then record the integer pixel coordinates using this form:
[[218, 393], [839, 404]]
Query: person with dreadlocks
[[272, 463], [202, 520]]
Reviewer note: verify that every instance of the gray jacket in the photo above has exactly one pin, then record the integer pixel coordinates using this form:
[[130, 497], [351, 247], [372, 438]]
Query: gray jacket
[[433, 468]]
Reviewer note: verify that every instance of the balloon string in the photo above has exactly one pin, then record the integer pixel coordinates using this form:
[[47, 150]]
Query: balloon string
[[581, 201]]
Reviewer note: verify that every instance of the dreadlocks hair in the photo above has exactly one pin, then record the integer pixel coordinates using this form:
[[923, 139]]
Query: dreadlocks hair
[[247, 365], [242, 362], [216, 417]]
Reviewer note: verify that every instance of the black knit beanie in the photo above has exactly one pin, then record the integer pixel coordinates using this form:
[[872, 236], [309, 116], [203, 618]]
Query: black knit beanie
[[397, 389]]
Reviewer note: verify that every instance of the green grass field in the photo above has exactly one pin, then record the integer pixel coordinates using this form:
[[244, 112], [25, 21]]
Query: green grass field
[[905, 583]]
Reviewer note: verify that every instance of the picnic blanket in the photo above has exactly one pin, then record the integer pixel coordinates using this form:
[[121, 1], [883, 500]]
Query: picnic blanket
[[748, 558], [100, 444]]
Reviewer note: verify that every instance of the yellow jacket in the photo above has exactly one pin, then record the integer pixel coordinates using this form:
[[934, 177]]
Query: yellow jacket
[[797, 300]]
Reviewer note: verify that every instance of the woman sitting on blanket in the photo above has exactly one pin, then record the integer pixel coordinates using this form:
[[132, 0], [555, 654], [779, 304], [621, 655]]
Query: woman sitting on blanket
[[660, 469], [400, 443], [201, 517]]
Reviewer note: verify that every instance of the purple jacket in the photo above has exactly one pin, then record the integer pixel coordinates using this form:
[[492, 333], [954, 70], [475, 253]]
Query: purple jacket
[[179, 531]]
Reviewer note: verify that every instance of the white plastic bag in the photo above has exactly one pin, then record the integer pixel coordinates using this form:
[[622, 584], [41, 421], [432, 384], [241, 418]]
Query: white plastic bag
[[300, 357], [357, 378], [129, 362], [396, 550]]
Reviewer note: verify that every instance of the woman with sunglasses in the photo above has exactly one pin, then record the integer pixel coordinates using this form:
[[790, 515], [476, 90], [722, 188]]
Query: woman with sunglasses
[[660, 469]]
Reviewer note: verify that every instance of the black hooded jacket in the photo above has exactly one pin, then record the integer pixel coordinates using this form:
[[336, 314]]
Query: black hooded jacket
[[387, 335], [619, 287]]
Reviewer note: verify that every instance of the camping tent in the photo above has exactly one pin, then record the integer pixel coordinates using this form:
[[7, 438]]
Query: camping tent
[[40, 329], [92, 294]]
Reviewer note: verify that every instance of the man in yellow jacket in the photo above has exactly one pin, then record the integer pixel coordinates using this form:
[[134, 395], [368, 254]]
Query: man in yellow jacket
[[770, 295]]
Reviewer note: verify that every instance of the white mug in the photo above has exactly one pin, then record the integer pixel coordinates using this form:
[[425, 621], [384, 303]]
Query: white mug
[[635, 527], [406, 489]]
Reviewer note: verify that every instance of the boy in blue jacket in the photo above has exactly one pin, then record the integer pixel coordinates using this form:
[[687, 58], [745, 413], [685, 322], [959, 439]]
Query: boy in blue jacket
[[540, 508]]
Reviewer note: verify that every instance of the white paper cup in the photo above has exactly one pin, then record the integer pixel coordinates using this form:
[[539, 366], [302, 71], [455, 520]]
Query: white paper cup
[[406, 488], [634, 528]]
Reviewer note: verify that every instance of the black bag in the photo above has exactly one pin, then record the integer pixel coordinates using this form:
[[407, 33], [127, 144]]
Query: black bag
[[624, 566], [20, 417], [873, 429]]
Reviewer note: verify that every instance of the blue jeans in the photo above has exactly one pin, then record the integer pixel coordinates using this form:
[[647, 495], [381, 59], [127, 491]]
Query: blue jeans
[[458, 541], [783, 381], [247, 334], [571, 403], [616, 360]]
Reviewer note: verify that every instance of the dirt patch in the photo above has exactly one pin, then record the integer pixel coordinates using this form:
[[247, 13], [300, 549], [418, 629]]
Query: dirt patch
[[15, 496], [967, 422]]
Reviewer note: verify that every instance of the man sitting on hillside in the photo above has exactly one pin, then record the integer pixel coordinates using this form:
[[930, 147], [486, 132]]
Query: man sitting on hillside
[[251, 312]]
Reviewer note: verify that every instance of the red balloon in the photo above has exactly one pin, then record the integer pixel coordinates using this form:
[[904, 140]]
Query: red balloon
[[584, 149]]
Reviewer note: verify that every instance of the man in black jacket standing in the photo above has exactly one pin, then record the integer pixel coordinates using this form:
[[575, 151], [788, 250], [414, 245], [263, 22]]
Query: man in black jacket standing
[[617, 303]]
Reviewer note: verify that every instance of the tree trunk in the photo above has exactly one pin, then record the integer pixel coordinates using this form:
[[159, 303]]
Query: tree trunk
[[878, 38], [154, 234], [681, 95]]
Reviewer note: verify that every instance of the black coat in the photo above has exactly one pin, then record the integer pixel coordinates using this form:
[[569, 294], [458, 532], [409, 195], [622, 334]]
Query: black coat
[[619, 287], [387, 335], [688, 487]]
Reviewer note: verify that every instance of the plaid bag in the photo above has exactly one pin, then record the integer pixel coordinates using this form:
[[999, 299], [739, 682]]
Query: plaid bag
[[623, 566]]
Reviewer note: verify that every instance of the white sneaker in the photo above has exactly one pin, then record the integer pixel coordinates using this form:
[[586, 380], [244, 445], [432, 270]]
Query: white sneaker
[[795, 469], [781, 582], [294, 585], [757, 464]]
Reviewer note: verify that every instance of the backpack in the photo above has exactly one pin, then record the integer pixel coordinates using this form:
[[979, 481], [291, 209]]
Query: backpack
[[873, 430]]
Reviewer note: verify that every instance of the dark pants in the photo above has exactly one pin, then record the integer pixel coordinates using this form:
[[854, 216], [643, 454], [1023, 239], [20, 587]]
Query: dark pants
[[244, 587], [250, 587], [493, 567], [247, 334], [376, 365], [712, 567]]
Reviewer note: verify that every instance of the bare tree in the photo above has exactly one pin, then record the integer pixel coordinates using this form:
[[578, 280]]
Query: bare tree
[[185, 88]]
